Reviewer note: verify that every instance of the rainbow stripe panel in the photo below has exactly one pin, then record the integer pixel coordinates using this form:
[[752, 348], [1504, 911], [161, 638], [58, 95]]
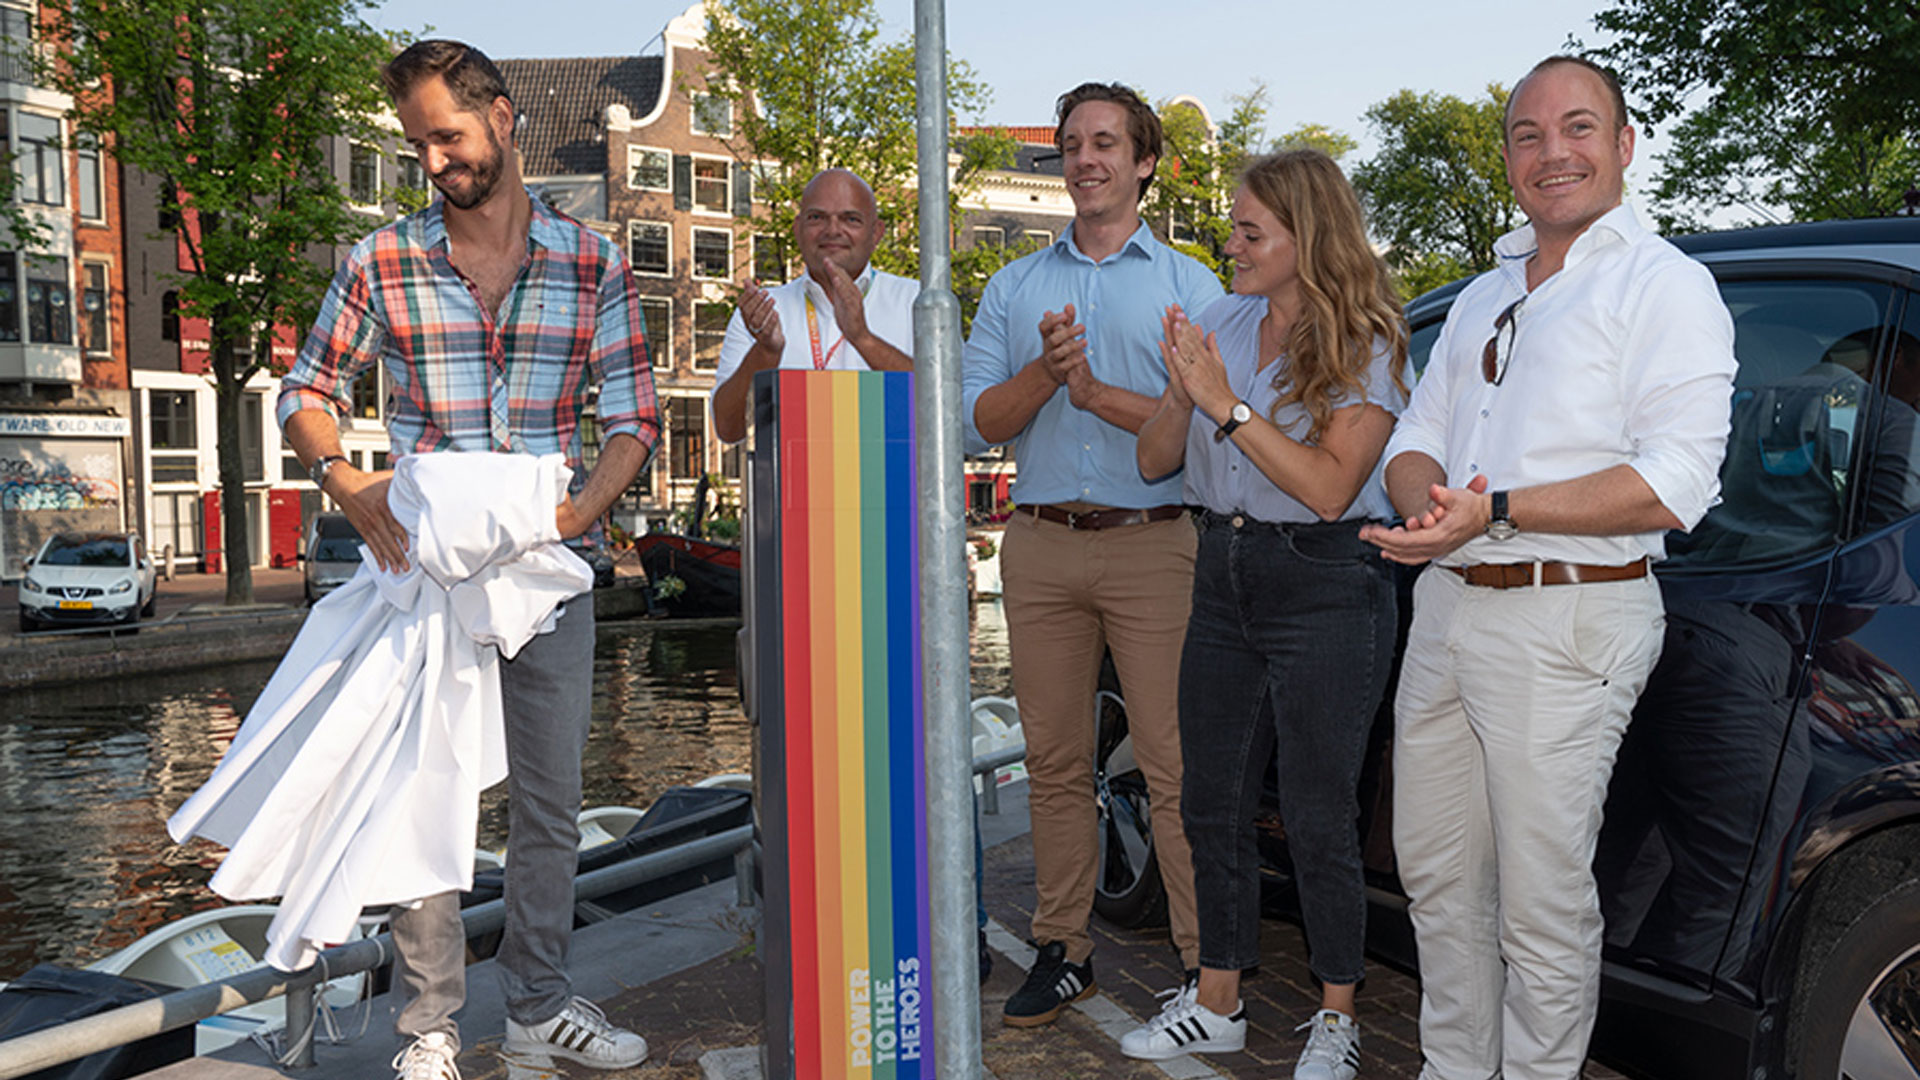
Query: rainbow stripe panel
[[843, 730]]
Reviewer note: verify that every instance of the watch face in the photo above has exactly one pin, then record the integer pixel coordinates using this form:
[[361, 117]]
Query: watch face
[[1242, 412], [1501, 529]]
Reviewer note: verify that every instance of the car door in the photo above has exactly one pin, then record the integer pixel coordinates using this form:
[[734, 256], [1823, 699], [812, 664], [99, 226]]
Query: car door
[[1729, 742]]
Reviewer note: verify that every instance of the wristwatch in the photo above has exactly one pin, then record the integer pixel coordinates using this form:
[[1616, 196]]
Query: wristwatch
[[1242, 412], [318, 470], [1501, 527]]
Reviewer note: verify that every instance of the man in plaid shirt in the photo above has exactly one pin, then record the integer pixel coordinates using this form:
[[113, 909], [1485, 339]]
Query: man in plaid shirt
[[494, 316]]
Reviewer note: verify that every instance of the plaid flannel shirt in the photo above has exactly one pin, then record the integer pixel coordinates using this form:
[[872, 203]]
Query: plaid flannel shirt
[[461, 380]]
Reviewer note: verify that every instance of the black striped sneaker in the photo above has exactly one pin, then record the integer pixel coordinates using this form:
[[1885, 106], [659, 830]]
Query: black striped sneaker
[[1052, 984], [580, 1033], [1185, 1026]]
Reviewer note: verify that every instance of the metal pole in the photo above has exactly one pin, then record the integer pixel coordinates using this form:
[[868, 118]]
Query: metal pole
[[943, 589], [300, 1017]]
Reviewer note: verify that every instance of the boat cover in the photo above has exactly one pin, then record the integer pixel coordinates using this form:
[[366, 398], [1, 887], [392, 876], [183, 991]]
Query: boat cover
[[356, 777]]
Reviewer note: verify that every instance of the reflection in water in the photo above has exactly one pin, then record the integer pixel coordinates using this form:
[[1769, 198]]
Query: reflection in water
[[89, 774]]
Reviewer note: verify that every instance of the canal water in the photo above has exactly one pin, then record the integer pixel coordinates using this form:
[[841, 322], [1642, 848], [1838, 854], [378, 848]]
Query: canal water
[[89, 774]]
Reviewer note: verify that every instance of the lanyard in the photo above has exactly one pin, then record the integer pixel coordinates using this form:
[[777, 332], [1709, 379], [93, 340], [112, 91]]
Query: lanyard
[[820, 361]]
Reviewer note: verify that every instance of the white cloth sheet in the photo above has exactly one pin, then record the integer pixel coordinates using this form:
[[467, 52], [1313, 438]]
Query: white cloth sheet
[[356, 777]]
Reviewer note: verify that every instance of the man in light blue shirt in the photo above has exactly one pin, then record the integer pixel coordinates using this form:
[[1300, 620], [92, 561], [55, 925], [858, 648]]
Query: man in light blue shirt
[[1064, 362]]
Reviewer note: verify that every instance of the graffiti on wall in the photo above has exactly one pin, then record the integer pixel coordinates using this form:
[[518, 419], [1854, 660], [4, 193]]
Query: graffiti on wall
[[57, 485]]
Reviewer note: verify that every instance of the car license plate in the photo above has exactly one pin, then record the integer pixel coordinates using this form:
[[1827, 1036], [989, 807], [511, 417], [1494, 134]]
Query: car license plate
[[76, 605]]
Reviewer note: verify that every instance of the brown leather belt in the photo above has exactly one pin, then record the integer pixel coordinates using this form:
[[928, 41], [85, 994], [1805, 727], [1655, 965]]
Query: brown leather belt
[[1517, 575], [1103, 519]]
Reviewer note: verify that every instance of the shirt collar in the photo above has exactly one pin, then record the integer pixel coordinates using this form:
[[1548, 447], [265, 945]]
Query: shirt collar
[[545, 227], [818, 292], [1621, 223], [1141, 242]]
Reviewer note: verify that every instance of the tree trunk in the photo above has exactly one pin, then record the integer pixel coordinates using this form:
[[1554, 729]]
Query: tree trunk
[[229, 389]]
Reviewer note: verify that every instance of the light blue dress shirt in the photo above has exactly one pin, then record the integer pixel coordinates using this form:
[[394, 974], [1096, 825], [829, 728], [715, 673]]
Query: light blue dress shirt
[[1067, 454], [1220, 475]]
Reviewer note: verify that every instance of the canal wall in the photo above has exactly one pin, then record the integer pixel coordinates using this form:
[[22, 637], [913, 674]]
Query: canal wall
[[203, 636]]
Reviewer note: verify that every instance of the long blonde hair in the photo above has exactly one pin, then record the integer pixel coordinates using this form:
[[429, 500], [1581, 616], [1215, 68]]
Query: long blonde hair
[[1347, 298]]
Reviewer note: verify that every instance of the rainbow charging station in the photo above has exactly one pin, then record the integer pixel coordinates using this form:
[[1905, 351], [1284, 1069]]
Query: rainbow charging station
[[833, 610]]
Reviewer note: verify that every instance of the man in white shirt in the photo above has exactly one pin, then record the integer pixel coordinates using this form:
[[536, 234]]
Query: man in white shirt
[[1574, 410], [842, 314]]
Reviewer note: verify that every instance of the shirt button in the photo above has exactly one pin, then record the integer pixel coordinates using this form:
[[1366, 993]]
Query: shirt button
[[1473, 466], [1483, 413]]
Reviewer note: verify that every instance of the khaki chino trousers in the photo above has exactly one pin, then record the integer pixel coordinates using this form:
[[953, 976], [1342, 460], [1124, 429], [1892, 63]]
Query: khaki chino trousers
[[1069, 595]]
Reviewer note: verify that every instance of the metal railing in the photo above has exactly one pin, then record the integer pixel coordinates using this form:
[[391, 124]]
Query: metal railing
[[75, 1039]]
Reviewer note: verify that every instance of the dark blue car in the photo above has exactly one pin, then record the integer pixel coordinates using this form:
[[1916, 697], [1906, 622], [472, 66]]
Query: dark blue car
[[1760, 864]]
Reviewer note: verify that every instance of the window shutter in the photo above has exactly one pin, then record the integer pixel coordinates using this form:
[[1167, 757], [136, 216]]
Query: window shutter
[[682, 181], [742, 191]]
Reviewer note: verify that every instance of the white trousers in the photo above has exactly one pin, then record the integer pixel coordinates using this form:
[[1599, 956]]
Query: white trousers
[[1511, 707]]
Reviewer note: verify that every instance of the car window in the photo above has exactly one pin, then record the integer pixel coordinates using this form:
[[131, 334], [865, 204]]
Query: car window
[[1799, 400], [336, 549], [1420, 344], [100, 551], [1892, 366]]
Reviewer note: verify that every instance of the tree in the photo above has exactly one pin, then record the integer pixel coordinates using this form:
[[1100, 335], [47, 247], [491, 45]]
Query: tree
[[229, 105], [1335, 144], [1807, 107], [1436, 192], [813, 87], [1193, 185]]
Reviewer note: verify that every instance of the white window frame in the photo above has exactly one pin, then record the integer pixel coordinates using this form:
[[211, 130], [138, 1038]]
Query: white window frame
[[400, 171], [981, 234], [634, 152], [633, 226], [693, 178], [57, 151], [355, 146], [694, 102], [662, 357], [81, 156], [695, 363], [80, 306], [757, 176], [693, 259], [1042, 237], [707, 438], [753, 253]]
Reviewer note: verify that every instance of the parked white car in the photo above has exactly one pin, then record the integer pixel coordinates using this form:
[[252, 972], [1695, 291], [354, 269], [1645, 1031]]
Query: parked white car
[[87, 579]]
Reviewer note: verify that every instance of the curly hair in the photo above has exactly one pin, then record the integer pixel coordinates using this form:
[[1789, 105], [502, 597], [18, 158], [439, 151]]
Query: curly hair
[[1348, 302]]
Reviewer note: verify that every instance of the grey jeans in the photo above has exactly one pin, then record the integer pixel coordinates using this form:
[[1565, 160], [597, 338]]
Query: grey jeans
[[547, 695], [1288, 650]]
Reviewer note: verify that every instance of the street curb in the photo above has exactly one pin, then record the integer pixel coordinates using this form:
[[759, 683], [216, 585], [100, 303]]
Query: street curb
[[191, 640]]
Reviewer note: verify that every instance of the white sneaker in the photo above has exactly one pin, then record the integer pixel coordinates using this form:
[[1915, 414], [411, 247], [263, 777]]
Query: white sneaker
[[1333, 1048], [580, 1033], [429, 1058], [1185, 1026]]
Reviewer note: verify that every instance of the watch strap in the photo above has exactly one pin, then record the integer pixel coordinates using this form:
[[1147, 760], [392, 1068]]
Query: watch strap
[[318, 470], [1232, 422]]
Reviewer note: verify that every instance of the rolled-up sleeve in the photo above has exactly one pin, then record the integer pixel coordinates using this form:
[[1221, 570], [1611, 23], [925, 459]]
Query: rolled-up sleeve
[[1679, 369], [985, 363], [345, 341], [619, 359]]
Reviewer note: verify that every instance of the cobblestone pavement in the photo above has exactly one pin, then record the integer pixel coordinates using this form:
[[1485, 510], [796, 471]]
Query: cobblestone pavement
[[717, 1005]]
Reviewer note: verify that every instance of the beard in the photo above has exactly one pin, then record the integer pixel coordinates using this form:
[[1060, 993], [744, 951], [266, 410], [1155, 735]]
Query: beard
[[485, 175]]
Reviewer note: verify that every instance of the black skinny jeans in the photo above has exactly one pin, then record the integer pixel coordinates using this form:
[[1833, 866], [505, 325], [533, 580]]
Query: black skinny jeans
[[1289, 648]]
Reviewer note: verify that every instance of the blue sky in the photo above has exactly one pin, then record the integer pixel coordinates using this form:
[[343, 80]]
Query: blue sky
[[1323, 63]]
